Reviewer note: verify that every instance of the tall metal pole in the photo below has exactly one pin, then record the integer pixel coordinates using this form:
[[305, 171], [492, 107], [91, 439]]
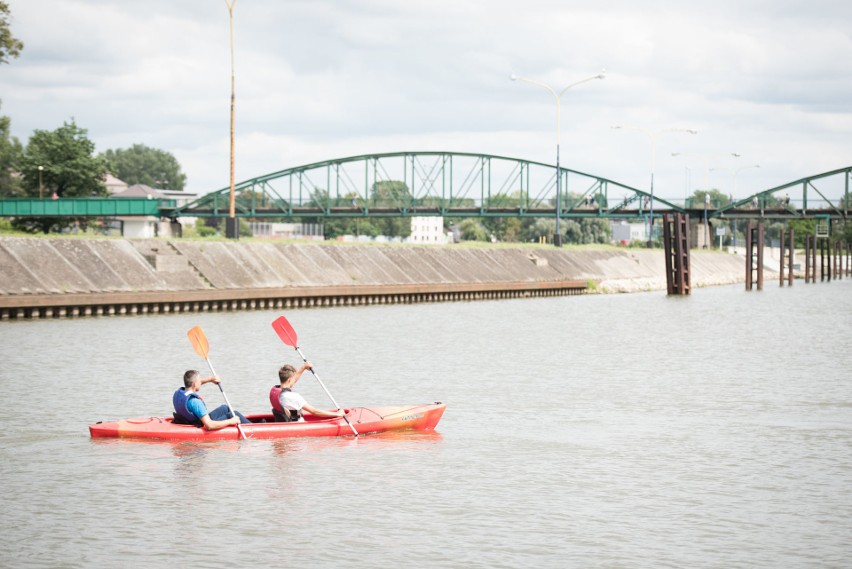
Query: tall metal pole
[[231, 227], [40, 170], [651, 205], [557, 238], [706, 159]]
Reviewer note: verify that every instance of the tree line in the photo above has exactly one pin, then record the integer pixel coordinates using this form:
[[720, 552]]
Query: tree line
[[62, 163]]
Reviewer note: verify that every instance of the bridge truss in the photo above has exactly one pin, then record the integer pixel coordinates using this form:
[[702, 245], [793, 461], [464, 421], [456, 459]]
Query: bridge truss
[[823, 195], [448, 184], [452, 184]]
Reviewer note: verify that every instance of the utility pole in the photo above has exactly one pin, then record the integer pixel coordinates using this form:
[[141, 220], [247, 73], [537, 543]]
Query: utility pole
[[232, 226]]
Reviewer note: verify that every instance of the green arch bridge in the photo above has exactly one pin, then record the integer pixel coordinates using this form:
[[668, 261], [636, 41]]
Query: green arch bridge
[[451, 184]]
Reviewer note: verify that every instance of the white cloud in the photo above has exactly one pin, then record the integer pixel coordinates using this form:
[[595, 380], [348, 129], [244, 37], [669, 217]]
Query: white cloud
[[319, 80]]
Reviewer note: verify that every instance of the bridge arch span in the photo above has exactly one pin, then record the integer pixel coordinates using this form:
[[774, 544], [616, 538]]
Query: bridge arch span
[[450, 184]]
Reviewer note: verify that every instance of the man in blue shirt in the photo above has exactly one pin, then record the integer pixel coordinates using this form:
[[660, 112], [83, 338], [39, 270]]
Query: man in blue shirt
[[190, 408]]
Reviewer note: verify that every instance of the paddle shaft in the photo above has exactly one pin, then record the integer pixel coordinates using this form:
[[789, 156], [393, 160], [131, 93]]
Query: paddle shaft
[[327, 392], [227, 401]]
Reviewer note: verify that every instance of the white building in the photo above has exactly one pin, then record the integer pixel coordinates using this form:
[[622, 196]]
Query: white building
[[428, 230], [149, 226], [114, 185], [623, 232]]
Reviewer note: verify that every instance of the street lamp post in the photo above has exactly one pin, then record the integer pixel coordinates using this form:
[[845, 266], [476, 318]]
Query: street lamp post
[[706, 160], [706, 226], [737, 173], [653, 136], [557, 239], [40, 170]]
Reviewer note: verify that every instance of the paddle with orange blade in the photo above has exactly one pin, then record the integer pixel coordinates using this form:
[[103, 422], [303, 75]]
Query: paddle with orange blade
[[202, 348], [285, 331]]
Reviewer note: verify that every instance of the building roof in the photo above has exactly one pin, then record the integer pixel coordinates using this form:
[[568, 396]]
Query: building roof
[[139, 191], [114, 185]]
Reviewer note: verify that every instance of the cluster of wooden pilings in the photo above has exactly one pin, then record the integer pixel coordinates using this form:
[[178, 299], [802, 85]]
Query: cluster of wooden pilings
[[117, 304], [834, 259]]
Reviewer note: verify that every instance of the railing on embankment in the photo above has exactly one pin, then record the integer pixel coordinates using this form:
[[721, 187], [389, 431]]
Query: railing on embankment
[[123, 303]]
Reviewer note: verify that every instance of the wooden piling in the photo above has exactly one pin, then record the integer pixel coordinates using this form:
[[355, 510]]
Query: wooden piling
[[787, 253], [754, 256], [676, 243]]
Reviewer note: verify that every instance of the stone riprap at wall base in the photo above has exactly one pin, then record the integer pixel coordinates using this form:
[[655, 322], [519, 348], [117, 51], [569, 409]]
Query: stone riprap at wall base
[[48, 277]]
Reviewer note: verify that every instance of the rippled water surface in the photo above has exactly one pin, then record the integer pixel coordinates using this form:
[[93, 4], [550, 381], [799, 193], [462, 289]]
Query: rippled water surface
[[602, 431]]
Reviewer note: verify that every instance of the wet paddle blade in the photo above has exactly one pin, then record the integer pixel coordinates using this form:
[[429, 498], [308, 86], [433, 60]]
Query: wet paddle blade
[[199, 341], [285, 331]]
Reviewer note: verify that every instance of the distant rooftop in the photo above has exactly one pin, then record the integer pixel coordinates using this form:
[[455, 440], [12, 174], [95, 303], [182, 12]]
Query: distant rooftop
[[139, 191]]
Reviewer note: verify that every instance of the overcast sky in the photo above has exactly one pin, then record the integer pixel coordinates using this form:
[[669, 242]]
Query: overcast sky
[[316, 80]]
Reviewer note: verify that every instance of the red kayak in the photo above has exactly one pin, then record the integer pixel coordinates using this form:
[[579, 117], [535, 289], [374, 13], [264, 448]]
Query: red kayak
[[365, 420]]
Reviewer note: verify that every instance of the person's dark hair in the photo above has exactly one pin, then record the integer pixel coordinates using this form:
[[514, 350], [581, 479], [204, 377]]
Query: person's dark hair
[[286, 372], [190, 376]]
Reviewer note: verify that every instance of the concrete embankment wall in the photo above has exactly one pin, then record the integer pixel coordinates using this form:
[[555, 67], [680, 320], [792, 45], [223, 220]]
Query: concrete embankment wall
[[44, 277]]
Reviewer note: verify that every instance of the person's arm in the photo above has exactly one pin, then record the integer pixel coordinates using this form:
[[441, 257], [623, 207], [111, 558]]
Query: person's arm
[[197, 407], [321, 413], [212, 425], [305, 366]]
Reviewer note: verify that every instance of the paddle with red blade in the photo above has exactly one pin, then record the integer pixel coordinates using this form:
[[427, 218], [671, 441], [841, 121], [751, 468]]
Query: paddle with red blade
[[285, 331], [202, 348]]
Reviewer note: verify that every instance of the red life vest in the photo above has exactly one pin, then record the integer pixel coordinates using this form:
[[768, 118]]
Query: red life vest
[[278, 411], [274, 395]]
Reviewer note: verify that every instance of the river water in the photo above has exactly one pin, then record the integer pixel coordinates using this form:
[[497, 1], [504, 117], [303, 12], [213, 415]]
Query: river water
[[597, 431]]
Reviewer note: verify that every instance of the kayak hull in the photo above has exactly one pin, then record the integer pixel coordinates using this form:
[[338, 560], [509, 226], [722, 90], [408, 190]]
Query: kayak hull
[[366, 420]]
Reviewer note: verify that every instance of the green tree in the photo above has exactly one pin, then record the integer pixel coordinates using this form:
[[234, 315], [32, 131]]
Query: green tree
[[772, 230], [141, 164], [69, 167], [471, 230], [60, 162], [596, 230], [392, 194], [10, 148], [802, 228], [10, 46], [717, 199], [572, 231], [592, 230], [10, 156], [845, 232], [507, 229], [536, 228], [202, 229]]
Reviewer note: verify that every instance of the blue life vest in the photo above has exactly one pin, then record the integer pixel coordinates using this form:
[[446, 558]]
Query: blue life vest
[[180, 400]]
